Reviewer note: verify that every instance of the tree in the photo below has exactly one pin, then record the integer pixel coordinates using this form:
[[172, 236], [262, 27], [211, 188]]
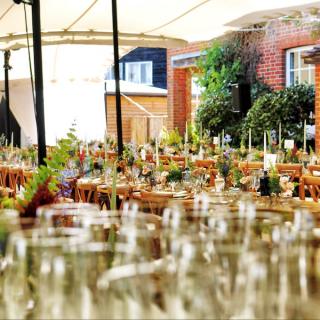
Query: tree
[[290, 106], [233, 60]]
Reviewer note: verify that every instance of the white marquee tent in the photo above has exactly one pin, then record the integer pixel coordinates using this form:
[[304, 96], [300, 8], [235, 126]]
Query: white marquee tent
[[165, 23]]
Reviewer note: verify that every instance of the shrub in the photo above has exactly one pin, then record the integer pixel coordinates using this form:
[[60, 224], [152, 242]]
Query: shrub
[[291, 106]]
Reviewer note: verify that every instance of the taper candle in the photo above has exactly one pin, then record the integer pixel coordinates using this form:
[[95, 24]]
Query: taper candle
[[157, 153], [222, 139], [186, 133], [305, 136], [249, 139], [280, 135]]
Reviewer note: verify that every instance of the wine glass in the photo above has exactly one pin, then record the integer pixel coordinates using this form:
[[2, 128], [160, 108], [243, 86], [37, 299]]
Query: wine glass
[[44, 277], [135, 173]]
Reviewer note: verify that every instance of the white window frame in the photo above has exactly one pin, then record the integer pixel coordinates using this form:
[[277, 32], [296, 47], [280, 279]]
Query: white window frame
[[299, 69], [139, 75], [110, 71]]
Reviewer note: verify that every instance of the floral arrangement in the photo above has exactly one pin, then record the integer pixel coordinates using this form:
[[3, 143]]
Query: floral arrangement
[[242, 152], [292, 155], [237, 175], [287, 187], [274, 181], [175, 173], [225, 163], [43, 186]]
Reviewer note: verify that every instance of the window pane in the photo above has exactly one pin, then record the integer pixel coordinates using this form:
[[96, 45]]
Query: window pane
[[121, 70], [146, 73], [143, 73], [294, 60], [303, 65], [312, 76], [149, 73], [304, 76], [294, 77], [132, 72]]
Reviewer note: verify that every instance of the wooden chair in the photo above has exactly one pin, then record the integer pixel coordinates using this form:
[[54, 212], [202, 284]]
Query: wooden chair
[[86, 192], [27, 175], [164, 159], [16, 179], [105, 194], [312, 184], [4, 176], [208, 164], [149, 157], [313, 167], [204, 163], [181, 161], [112, 156], [245, 165], [155, 202], [293, 170]]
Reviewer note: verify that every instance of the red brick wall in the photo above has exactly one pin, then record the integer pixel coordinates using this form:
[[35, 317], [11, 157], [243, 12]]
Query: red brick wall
[[272, 69], [179, 88], [280, 37]]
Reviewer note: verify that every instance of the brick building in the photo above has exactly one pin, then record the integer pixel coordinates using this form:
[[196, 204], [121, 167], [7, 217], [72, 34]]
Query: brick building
[[281, 65]]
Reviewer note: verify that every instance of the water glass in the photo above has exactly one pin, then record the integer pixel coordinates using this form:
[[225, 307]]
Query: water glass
[[65, 214], [44, 277]]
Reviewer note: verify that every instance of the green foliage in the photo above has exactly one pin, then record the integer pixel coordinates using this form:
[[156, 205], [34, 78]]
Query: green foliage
[[274, 181], [232, 61], [224, 164], [237, 175], [173, 138], [290, 106], [49, 174], [175, 173]]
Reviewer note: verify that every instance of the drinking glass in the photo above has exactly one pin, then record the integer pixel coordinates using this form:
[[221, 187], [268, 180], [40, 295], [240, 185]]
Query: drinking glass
[[44, 277], [135, 173], [65, 214], [219, 184]]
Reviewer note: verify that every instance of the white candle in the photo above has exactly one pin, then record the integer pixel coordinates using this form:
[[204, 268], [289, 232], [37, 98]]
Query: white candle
[[264, 150], [219, 140], [105, 145], [200, 130], [143, 155], [157, 153], [222, 139], [186, 133], [305, 136], [280, 135], [6, 142], [249, 139], [87, 148]]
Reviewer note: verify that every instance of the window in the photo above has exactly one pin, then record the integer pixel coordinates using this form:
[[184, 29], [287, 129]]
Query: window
[[296, 69], [139, 72], [110, 72]]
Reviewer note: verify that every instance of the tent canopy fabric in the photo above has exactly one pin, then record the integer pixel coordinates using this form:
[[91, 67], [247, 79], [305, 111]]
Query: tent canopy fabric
[[276, 13], [165, 23]]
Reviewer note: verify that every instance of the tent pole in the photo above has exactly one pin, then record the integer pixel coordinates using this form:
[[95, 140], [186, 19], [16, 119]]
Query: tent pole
[[7, 67], [38, 78], [117, 76]]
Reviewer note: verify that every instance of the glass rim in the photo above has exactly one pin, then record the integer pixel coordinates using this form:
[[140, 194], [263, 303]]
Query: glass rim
[[50, 237]]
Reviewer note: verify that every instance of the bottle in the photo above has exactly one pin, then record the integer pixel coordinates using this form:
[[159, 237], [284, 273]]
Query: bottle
[[264, 184]]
